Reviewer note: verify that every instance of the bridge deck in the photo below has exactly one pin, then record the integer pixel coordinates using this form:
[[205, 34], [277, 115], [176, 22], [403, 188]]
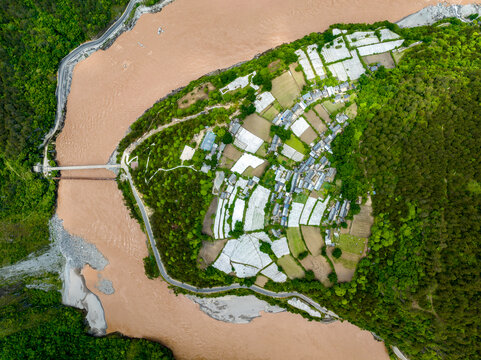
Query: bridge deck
[[81, 167]]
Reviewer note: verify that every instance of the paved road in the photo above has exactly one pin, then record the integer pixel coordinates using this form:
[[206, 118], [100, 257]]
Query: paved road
[[213, 290], [81, 167], [63, 80]]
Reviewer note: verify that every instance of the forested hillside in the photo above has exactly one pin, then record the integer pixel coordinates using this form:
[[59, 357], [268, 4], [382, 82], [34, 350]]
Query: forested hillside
[[419, 127], [33, 325], [34, 37]]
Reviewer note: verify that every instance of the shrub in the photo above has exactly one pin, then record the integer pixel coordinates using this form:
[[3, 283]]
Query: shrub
[[332, 277], [303, 255], [337, 252]]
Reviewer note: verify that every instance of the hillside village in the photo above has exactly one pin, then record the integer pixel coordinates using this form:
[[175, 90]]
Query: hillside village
[[278, 211], [275, 184]]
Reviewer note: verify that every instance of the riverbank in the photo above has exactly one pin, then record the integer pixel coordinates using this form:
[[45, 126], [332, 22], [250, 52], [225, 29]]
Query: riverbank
[[105, 100]]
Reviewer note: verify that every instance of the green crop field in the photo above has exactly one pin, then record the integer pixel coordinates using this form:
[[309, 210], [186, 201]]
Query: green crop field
[[290, 266], [296, 244], [296, 144], [351, 244], [285, 90]]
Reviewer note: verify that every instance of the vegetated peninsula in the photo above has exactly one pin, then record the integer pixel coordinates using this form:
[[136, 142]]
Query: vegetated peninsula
[[343, 166]]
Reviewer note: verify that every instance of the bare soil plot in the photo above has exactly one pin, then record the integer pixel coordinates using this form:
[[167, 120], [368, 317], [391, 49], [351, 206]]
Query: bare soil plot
[[312, 237], [229, 156], [258, 171], [258, 126], [309, 136], [298, 75], [322, 113], [315, 121], [345, 266], [362, 222], [384, 59], [351, 111], [294, 239], [348, 229], [270, 113], [201, 92], [319, 266], [290, 267], [285, 89], [209, 252], [209, 218], [261, 280]]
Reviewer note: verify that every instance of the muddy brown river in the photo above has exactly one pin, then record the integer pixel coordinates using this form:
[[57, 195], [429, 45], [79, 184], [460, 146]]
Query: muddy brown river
[[110, 90]]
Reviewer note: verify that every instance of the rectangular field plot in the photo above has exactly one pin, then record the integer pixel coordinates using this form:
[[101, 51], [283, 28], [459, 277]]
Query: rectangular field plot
[[362, 222], [296, 144], [258, 126], [229, 157], [290, 267], [313, 238], [351, 244], [322, 112], [295, 214], [306, 212], [331, 107], [315, 121], [296, 244], [285, 89], [319, 266], [270, 113], [308, 136], [254, 219], [297, 75], [379, 48], [384, 59]]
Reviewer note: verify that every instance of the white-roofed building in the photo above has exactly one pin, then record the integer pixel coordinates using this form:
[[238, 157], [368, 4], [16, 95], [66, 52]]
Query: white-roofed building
[[187, 153], [306, 66], [362, 38], [245, 161], [280, 247], [239, 83], [247, 141], [295, 214], [306, 212], [316, 61], [379, 48], [335, 52], [272, 272], [318, 211], [299, 126], [254, 219], [263, 101], [292, 153]]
